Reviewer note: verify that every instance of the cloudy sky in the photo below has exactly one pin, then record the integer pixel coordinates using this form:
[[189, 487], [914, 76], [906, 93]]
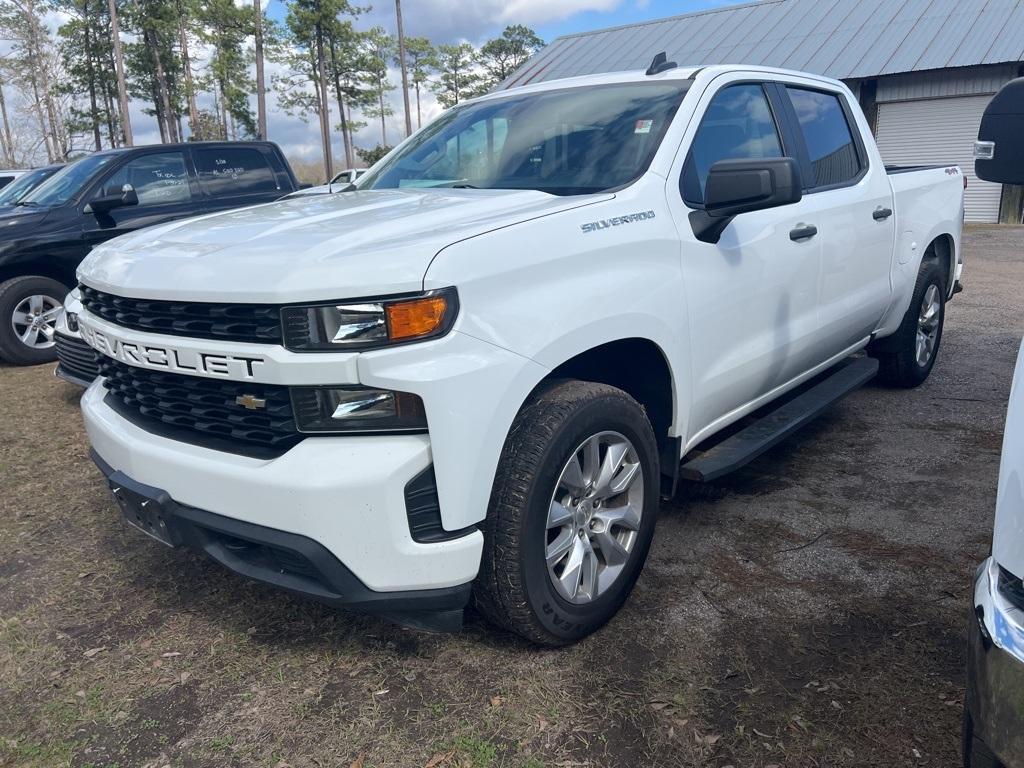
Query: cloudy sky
[[443, 21]]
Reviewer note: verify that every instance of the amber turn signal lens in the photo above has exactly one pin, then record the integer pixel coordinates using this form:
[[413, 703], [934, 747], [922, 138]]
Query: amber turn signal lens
[[419, 317]]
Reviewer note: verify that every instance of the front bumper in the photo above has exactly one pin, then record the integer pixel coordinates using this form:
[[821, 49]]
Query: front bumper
[[995, 670], [346, 494]]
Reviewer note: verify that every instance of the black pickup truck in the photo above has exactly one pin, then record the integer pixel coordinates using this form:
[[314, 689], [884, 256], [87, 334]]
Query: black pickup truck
[[47, 234]]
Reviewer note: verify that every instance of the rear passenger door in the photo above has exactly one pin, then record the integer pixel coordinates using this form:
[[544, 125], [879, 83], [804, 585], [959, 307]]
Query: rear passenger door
[[849, 200], [164, 188], [236, 176]]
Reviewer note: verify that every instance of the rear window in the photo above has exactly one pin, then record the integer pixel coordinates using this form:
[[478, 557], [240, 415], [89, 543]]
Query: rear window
[[231, 171], [830, 144]]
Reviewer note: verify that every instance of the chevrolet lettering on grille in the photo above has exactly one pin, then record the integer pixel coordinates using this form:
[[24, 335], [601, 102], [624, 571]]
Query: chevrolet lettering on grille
[[164, 358]]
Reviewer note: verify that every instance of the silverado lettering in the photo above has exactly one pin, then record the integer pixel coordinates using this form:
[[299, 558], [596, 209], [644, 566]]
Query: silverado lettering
[[617, 221]]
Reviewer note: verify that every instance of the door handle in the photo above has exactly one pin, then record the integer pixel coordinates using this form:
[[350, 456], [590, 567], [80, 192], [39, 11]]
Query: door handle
[[881, 214], [802, 232]]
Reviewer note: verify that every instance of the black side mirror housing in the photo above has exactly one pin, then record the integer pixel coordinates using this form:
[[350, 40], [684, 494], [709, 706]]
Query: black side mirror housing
[[736, 187], [108, 201], [999, 153]]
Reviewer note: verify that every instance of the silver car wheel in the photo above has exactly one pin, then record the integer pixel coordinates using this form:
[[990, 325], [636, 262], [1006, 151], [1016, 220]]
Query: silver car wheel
[[594, 517], [35, 319], [928, 325]]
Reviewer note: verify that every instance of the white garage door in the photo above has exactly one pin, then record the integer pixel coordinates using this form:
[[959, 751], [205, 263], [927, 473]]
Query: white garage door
[[939, 131]]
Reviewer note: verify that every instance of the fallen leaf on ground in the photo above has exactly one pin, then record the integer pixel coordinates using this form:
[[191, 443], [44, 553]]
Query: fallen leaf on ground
[[439, 758], [93, 651]]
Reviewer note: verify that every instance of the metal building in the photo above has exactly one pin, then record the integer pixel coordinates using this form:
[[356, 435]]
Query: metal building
[[923, 69]]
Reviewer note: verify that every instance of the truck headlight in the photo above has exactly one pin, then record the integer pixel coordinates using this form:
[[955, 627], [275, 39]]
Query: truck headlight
[[367, 325], [356, 409]]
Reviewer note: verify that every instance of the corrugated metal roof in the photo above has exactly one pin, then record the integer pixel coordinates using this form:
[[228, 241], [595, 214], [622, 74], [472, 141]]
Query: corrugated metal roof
[[838, 38]]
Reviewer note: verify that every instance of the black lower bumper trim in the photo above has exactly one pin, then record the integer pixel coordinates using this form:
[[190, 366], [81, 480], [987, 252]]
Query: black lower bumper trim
[[292, 562]]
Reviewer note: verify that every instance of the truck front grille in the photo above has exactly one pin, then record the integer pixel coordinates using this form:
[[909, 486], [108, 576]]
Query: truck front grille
[[254, 323], [199, 410]]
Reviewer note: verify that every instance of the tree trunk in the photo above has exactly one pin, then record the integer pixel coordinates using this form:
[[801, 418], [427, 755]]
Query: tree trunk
[[91, 74], [261, 89], [37, 107], [193, 108], [325, 108], [405, 72], [419, 113], [383, 120], [8, 141], [122, 87], [163, 91], [340, 98]]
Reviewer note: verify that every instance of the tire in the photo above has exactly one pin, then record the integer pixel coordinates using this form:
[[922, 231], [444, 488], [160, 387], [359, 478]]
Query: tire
[[516, 589], [897, 355], [16, 296]]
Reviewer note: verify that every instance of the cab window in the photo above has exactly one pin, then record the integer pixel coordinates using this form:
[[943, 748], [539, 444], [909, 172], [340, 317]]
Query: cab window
[[158, 179], [230, 171], [737, 125], [826, 131]]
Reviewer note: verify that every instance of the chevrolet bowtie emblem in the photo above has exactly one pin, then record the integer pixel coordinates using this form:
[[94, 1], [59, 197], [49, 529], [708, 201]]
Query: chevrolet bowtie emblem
[[251, 402]]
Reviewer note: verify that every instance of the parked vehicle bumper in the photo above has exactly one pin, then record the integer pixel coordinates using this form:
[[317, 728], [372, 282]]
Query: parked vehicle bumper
[[343, 495], [995, 670]]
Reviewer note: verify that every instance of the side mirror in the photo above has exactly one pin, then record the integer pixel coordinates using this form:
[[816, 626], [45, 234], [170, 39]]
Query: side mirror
[[735, 187], [108, 201], [999, 151]]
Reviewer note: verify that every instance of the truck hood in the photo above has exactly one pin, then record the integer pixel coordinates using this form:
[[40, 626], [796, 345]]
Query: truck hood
[[1008, 541], [315, 248]]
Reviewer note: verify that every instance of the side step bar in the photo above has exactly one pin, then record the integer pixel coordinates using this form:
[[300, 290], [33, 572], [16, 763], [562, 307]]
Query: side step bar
[[742, 447]]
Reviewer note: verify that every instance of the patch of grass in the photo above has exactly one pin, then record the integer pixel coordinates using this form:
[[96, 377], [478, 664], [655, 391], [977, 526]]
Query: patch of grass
[[479, 752]]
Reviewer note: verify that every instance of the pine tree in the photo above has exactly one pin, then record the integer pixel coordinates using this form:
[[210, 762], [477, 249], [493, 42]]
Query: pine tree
[[458, 78], [421, 58], [379, 49], [503, 55]]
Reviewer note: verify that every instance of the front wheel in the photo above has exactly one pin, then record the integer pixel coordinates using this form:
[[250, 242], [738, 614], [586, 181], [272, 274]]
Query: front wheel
[[572, 513], [907, 357], [29, 306]]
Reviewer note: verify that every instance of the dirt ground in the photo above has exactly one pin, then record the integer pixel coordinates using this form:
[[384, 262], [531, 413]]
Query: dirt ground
[[807, 611]]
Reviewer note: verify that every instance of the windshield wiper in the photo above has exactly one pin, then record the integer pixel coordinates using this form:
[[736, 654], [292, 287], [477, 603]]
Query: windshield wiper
[[464, 185], [27, 202]]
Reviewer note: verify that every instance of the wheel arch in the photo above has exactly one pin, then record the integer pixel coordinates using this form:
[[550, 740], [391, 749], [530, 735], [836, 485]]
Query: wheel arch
[[943, 248], [640, 367]]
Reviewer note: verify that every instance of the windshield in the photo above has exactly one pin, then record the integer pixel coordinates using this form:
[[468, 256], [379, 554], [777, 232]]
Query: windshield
[[67, 182], [571, 141], [21, 186]]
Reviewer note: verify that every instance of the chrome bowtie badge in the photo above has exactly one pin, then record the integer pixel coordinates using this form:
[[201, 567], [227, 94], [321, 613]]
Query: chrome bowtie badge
[[251, 402]]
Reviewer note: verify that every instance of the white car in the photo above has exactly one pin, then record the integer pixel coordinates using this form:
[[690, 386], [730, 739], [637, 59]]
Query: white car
[[477, 373], [994, 706], [993, 733]]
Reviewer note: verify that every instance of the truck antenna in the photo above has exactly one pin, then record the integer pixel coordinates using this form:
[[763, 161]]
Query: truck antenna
[[660, 64]]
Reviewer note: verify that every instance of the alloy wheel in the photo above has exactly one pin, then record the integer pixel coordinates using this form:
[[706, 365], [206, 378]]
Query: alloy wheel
[[35, 320], [594, 517], [928, 325]]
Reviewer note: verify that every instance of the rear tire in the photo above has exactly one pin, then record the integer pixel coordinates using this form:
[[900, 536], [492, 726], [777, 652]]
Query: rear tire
[[28, 314], [907, 357], [571, 515]]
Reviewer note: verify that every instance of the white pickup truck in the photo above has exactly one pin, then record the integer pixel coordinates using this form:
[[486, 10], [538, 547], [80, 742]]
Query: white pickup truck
[[475, 375]]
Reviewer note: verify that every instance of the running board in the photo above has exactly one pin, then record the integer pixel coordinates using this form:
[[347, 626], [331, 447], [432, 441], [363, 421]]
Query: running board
[[703, 465]]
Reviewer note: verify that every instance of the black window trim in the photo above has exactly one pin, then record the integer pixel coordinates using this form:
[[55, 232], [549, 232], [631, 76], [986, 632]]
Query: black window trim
[[782, 129], [803, 156]]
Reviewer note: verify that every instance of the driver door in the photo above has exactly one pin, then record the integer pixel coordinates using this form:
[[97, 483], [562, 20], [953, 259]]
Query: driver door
[[752, 298], [162, 183]]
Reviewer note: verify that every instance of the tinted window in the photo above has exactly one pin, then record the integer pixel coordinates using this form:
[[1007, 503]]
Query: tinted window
[[24, 184], [234, 171], [829, 141], [737, 125], [566, 142], [158, 179]]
